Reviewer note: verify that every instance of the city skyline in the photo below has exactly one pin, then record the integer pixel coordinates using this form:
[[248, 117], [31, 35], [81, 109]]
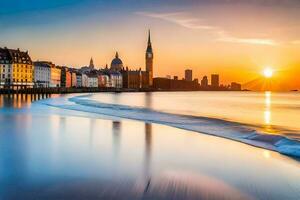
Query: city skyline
[[210, 37]]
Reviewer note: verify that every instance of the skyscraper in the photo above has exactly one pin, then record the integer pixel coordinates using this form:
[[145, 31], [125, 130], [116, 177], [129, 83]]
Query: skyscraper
[[149, 60], [188, 75], [215, 80]]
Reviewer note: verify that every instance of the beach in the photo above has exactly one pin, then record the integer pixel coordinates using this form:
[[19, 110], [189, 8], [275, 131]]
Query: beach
[[62, 148]]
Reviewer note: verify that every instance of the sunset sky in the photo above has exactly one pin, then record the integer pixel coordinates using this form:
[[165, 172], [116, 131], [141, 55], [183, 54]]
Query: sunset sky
[[235, 38]]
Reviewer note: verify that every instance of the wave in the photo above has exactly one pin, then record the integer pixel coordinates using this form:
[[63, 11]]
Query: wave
[[217, 127]]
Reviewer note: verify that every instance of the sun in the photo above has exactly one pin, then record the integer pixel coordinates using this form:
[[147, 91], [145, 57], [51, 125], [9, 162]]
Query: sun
[[268, 72]]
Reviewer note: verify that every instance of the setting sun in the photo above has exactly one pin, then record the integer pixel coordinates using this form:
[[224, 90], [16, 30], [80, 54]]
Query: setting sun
[[268, 72]]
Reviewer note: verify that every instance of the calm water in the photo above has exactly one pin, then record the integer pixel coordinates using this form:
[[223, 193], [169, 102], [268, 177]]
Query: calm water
[[276, 113], [52, 153]]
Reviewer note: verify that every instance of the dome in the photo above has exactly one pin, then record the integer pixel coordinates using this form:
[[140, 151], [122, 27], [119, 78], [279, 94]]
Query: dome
[[116, 63]]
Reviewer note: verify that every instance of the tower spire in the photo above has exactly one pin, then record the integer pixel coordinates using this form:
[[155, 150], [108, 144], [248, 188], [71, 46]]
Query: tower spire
[[92, 63], [149, 37], [117, 54]]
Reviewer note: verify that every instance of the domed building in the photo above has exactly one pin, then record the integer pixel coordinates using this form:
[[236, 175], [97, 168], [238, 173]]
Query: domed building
[[116, 63]]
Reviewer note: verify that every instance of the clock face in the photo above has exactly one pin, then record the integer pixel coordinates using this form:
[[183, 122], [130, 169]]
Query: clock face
[[149, 55]]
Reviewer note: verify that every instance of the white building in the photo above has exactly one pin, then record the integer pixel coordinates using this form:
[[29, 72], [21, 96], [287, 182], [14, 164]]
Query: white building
[[84, 80], [92, 80], [5, 73], [116, 80], [42, 73]]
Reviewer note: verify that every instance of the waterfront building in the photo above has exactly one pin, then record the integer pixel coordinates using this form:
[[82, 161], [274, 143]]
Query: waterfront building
[[92, 80], [55, 76], [42, 73], [132, 79], [116, 80], [149, 61], [73, 78], [78, 79], [5, 67], [174, 84], [235, 86], [215, 81], [84, 80], [66, 77], [103, 80], [204, 82], [188, 75], [128, 78], [16, 68]]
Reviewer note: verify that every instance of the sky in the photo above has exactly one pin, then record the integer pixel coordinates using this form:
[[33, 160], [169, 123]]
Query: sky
[[234, 38]]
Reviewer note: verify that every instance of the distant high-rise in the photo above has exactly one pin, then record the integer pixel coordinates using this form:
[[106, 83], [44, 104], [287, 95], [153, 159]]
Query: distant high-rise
[[215, 80], [204, 82], [188, 75], [149, 60]]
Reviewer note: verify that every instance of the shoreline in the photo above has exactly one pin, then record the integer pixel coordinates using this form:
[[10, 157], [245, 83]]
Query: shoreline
[[96, 90]]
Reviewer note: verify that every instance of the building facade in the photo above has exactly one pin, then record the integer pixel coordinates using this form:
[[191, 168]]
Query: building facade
[[204, 82], [92, 80], [149, 61], [42, 73], [188, 75], [55, 74], [16, 68], [215, 82]]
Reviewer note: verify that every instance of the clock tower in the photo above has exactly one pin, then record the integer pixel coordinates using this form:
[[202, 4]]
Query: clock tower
[[149, 60]]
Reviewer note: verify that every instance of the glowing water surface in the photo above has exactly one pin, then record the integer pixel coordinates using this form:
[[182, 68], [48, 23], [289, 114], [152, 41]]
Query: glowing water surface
[[52, 153]]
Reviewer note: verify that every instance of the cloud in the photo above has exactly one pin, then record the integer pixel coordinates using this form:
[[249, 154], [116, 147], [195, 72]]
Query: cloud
[[179, 18], [223, 37]]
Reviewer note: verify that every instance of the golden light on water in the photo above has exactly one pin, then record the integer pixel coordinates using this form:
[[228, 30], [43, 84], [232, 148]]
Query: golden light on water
[[267, 113]]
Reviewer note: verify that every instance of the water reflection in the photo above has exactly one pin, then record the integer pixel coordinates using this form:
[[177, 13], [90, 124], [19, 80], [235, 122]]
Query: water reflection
[[18, 101], [268, 112], [116, 131], [148, 148], [148, 100]]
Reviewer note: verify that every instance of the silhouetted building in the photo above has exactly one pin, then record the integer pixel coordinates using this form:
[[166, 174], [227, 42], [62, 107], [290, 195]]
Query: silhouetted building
[[215, 81], [188, 75], [174, 84], [235, 86], [204, 82], [149, 61]]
